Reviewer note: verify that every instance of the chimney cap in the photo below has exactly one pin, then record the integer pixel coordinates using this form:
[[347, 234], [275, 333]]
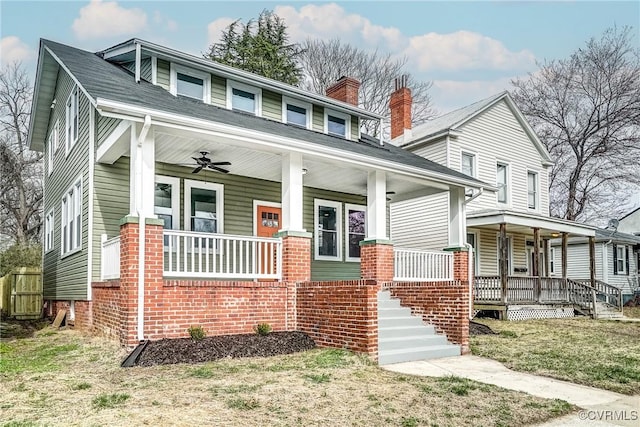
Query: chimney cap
[[401, 81]]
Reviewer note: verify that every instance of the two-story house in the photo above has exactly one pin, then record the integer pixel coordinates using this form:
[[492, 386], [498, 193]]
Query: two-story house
[[509, 229], [179, 191]]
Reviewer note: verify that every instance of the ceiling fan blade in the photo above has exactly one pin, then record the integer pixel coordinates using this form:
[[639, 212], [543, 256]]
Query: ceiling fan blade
[[218, 169], [200, 161], [221, 163], [196, 170]]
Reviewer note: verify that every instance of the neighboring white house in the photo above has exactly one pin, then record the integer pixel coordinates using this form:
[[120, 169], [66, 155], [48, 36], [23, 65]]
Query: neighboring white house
[[630, 223]]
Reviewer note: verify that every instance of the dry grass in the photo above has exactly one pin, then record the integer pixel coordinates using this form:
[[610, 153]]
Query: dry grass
[[63, 378], [598, 353], [633, 312]]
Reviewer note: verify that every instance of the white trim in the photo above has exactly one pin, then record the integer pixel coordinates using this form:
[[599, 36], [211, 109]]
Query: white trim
[[300, 104], [507, 184], [339, 115], [174, 182], [474, 161], [90, 241], [56, 129], [154, 70], [50, 153], [63, 216], [218, 188], [354, 207], [316, 231], [257, 108], [69, 141], [257, 203], [70, 74], [621, 271], [536, 176], [49, 231], [174, 69], [476, 250]]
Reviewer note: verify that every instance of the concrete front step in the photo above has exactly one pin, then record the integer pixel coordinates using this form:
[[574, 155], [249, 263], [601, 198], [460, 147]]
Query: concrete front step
[[408, 342], [406, 331], [418, 353], [388, 322]]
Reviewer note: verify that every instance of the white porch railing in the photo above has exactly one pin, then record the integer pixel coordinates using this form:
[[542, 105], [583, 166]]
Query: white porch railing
[[411, 265], [110, 258], [221, 256]]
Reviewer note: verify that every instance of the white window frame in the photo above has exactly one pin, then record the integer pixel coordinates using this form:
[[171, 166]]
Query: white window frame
[[343, 116], [300, 104], [509, 250], [205, 77], [56, 135], [257, 108], [72, 196], [347, 232], [536, 195], [50, 153], [474, 162], [552, 261], [218, 188], [507, 184], [316, 240], [476, 251], [621, 259], [72, 126], [175, 198], [49, 224]]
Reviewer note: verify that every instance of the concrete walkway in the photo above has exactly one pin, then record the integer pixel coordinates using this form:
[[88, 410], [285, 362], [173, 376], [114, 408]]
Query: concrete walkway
[[600, 407]]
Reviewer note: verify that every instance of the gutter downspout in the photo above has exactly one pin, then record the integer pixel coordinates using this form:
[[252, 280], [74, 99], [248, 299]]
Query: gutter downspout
[[470, 278], [141, 233]]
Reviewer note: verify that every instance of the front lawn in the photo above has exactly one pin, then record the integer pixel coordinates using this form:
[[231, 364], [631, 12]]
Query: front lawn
[[597, 353], [64, 378]]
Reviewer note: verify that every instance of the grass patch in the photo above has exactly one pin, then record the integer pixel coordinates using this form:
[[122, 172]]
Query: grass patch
[[81, 386], [633, 312], [105, 401], [318, 378], [597, 353], [243, 404], [202, 372], [41, 358]]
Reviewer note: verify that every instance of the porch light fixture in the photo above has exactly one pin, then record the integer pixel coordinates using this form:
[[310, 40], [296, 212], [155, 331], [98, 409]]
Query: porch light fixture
[[53, 104], [555, 234], [304, 171]]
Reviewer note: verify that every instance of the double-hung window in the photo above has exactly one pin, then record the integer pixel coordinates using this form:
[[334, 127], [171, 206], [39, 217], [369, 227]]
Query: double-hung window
[[242, 97], [328, 223], [468, 164], [166, 203], [337, 124], [71, 219], [51, 149], [620, 259], [532, 190], [552, 260], [295, 112], [48, 231], [190, 83], [355, 217], [203, 206], [502, 182], [71, 120]]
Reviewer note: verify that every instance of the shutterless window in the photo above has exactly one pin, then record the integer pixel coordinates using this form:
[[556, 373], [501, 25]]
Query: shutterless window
[[296, 115], [327, 219], [501, 175], [355, 226], [48, 232], [190, 86], [71, 221], [243, 100], [72, 119], [203, 206], [532, 184], [50, 151], [166, 206], [336, 126], [468, 164], [552, 260]]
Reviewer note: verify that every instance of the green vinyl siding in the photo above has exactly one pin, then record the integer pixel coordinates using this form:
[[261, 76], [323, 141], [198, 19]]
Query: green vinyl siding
[[271, 105], [318, 119], [219, 91], [104, 127], [330, 270], [162, 78], [66, 278], [355, 126]]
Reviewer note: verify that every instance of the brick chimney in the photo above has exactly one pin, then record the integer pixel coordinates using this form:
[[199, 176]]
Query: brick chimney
[[400, 105], [345, 90]]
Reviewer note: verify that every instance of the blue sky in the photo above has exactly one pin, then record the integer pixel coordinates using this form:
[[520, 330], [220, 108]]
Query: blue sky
[[470, 50]]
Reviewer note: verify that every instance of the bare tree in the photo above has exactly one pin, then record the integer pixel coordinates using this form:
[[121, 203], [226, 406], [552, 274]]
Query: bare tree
[[586, 109], [324, 62], [20, 168]]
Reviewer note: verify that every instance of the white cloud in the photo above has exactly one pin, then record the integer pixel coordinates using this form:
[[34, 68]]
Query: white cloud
[[215, 28], [448, 95], [108, 19], [465, 50], [166, 23], [12, 49]]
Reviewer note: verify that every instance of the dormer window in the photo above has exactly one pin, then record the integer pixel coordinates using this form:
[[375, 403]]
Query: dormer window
[[295, 112], [190, 83], [241, 97], [337, 124]]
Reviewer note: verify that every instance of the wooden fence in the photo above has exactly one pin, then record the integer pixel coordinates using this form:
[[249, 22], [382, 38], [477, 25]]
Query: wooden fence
[[21, 293]]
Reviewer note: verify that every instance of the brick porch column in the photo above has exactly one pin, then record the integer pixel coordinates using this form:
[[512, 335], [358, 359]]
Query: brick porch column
[[296, 256], [376, 260], [462, 306], [129, 253]]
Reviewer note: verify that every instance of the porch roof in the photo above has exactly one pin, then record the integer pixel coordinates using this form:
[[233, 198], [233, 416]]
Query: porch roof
[[107, 84], [522, 222]]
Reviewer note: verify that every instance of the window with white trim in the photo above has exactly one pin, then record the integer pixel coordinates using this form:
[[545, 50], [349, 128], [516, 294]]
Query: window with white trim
[[354, 225], [184, 81], [621, 259], [50, 152], [242, 97], [328, 224], [552, 260], [295, 112], [532, 190], [71, 219], [48, 231], [71, 120], [204, 206], [337, 124], [166, 197], [468, 164], [502, 182], [472, 239]]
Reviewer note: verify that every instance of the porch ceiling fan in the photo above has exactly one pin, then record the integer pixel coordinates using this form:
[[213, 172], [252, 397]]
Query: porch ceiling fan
[[204, 162]]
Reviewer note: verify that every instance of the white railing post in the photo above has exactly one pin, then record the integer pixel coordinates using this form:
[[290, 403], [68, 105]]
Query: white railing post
[[109, 257], [417, 265]]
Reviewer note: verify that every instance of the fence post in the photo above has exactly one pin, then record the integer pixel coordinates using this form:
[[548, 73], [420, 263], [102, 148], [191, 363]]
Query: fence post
[[595, 301]]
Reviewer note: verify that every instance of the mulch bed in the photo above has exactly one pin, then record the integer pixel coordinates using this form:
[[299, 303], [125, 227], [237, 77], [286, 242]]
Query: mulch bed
[[479, 329], [186, 350]]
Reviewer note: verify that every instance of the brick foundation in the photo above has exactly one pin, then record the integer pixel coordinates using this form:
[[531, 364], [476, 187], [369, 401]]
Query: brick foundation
[[340, 314]]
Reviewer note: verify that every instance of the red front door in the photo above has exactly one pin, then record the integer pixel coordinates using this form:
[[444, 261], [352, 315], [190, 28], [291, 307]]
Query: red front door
[[268, 219]]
